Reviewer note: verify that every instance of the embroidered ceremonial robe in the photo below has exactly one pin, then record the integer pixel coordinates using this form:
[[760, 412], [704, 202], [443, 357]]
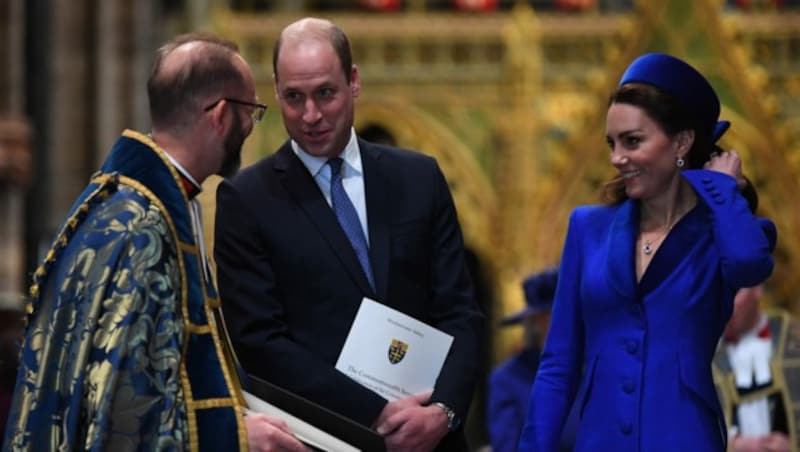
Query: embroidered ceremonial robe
[[121, 350]]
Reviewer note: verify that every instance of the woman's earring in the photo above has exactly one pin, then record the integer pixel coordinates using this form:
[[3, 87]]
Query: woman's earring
[[680, 162]]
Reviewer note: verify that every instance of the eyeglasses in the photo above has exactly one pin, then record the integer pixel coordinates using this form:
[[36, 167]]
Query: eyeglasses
[[258, 109]]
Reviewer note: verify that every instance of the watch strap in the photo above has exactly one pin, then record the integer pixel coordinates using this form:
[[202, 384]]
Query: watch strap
[[452, 420]]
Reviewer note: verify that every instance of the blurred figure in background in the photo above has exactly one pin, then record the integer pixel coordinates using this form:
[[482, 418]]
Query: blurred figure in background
[[752, 397], [510, 383]]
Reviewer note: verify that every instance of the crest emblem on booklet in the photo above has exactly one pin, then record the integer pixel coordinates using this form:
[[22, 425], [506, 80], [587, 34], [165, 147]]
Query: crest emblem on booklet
[[397, 351]]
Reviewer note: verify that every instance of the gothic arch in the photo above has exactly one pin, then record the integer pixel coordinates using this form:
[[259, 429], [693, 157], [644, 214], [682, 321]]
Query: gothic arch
[[416, 129]]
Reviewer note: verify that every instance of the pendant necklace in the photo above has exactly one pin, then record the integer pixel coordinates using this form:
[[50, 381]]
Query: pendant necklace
[[649, 245], [647, 248]]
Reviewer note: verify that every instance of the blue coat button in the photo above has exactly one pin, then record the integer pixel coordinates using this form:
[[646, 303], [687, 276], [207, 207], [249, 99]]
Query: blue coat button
[[626, 428], [628, 387]]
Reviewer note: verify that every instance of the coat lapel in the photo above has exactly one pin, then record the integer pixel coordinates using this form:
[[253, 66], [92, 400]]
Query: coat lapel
[[378, 215], [300, 185], [675, 247], [621, 253]]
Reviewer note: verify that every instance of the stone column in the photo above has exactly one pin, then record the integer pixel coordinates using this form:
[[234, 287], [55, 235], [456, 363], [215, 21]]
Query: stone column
[[15, 156], [147, 35], [15, 163], [12, 56], [67, 154], [128, 34], [111, 66]]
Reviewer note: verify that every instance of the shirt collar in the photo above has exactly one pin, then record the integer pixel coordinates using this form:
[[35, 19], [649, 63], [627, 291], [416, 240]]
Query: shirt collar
[[350, 155], [189, 183]]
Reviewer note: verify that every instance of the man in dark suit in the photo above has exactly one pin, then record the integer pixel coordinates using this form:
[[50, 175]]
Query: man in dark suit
[[303, 235]]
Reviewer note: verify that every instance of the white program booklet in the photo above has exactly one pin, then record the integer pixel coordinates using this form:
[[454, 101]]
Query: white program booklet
[[391, 353]]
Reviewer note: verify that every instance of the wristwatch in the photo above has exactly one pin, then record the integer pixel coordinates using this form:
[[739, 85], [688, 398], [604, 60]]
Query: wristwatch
[[452, 421]]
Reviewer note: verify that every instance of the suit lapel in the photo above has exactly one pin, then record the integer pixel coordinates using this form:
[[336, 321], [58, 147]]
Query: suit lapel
[[378, 215], [300, 185]]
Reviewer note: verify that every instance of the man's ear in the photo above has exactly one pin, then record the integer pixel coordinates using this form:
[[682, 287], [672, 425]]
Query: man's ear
[[355, 81], [216, 116]]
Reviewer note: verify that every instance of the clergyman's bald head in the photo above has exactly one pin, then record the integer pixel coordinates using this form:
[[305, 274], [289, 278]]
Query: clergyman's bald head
[[188, 71]]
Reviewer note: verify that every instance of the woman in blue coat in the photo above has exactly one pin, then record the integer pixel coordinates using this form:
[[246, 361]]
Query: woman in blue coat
[[647, 282]]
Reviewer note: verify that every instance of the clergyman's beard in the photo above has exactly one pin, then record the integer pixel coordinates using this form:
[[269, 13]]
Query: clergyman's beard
[[232, 159]]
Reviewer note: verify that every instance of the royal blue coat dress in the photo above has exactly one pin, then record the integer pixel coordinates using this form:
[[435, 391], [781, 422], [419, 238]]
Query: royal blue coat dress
[[646, 346]]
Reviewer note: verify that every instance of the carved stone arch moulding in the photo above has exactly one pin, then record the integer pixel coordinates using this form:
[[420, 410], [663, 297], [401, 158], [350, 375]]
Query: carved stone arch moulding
[[416, 129]]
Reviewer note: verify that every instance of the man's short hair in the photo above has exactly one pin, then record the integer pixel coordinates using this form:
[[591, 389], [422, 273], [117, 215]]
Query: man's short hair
[[339, 41]]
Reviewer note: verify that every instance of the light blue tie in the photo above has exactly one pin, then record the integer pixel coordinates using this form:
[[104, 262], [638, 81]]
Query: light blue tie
[[348, 218]]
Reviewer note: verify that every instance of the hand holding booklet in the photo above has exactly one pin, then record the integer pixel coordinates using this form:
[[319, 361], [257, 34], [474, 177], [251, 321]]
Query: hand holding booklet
[[387, 351], [391, 353]]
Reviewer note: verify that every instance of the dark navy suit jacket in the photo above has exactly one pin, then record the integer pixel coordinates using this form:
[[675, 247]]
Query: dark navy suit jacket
[[290, 282], [646, 347]]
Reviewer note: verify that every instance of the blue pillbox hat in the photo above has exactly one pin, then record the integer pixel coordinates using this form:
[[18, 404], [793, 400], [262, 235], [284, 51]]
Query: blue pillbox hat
[[540, 289], [682, 81]]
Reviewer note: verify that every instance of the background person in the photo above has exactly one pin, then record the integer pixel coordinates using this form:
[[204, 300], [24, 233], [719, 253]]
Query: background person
[[510, 382], [748, 355]]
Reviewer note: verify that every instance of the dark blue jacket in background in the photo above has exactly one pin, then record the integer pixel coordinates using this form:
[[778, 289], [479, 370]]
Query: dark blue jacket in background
[[509, 393]]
